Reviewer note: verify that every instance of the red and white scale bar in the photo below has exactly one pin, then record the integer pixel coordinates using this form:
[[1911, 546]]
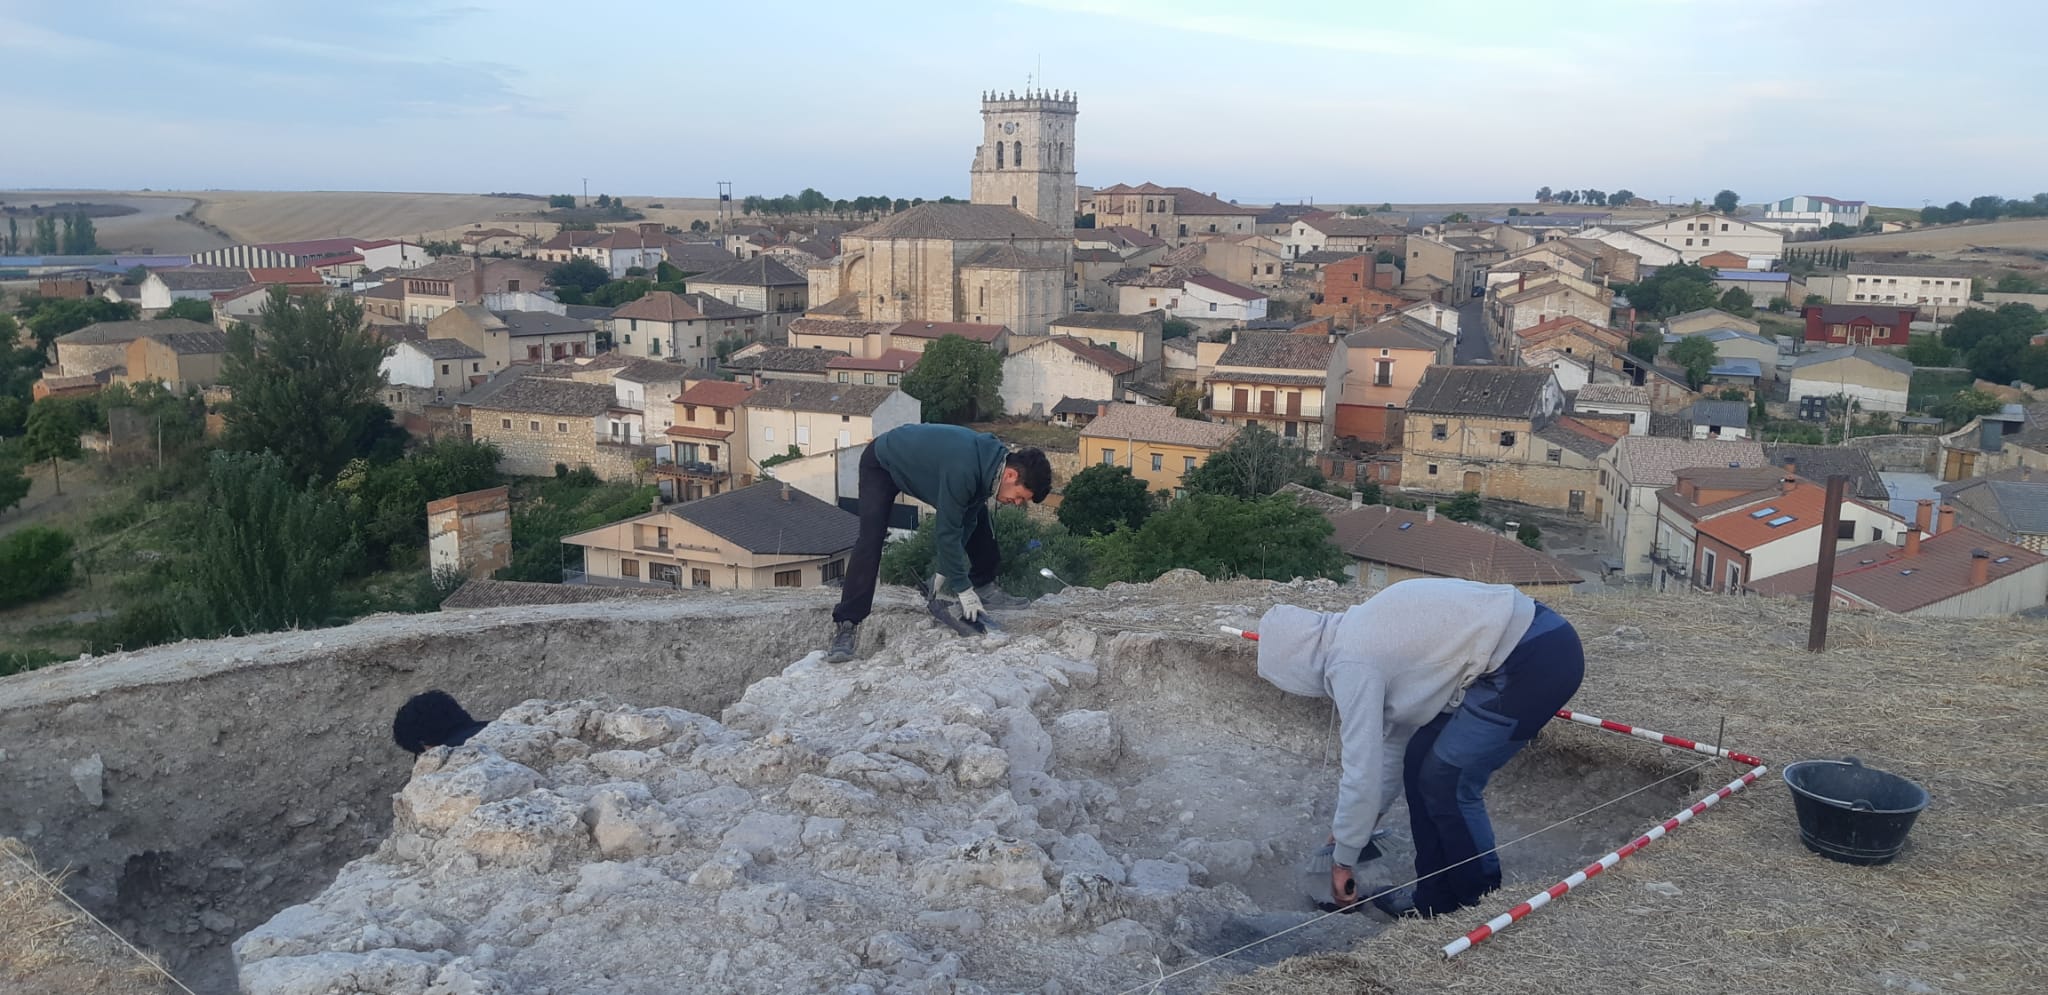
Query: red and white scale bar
[[1657, 737], [1241, 633], [1592, 870]]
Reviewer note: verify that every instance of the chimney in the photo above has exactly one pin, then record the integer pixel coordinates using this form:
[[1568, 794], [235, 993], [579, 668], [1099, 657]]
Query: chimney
[[1923, 514], [1787, 485], [655, 505], [1101, 410], [1689, 489], [1948, 518], [1429, 513], [1792, 466], [1912, 543], [785, 490], [1980, 567], [1357, 500], [1521, 282]]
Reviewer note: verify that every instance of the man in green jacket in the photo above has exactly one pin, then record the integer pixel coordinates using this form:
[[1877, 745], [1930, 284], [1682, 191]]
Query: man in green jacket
[[956, 471]]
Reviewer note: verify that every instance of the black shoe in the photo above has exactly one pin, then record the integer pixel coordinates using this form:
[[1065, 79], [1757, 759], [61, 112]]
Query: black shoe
[[1398, 904], [843, 636], [995, 597]]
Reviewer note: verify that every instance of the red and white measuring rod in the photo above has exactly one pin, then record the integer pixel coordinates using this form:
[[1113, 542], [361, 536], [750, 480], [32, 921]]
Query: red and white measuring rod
[[1657, 737]]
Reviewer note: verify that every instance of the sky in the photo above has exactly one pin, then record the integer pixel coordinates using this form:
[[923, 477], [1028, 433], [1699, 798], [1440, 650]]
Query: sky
[[1897, 103]]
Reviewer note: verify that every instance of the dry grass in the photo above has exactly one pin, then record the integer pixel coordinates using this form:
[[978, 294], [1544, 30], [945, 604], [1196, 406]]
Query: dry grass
[[1959, 706], [2022, 236], [47, 946]]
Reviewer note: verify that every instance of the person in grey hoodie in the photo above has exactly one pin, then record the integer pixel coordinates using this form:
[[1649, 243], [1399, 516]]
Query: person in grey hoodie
[[1438, 682]]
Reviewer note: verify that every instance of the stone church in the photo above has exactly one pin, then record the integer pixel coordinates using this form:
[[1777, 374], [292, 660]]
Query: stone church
[[1006, 258]]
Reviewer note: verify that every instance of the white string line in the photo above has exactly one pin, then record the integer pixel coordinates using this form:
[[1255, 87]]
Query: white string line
[[147, 959], [1154, 985]]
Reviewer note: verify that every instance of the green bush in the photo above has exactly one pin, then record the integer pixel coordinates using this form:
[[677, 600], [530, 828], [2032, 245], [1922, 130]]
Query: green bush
[[23, 661], [35, 563], [1026, 547]]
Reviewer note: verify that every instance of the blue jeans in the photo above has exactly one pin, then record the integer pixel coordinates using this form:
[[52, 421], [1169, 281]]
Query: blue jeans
[[1449, 761]]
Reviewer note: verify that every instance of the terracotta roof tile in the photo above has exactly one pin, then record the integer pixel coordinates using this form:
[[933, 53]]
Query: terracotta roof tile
[[1278, 351], [716, 393], [1114, 363], [1444, 548], [1159, 424], [1877, 573], [1499, 391], [982, 333]]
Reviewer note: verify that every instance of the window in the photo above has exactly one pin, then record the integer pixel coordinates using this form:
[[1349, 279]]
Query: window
[[663, 573], [1554, 455], [867, 378], [789, 578], [444, 369], [505, 423], [1180, 492], [562, 427], [1507, 438], [1212, 306], [845, 377], [1708, 573], [711, 454], [1688, 241], [1846, 530], [1151, 302], [1706, 242], [894, 379], [661, 537], [628, 339], [533, 426], [1157, 460], [533, 352], [803, 435], [1432, 469], [478, 367], [1187, 464], [654, 347], [721, 415], [1383, 373], [633, 324], [629, 568], [768, 433], [1603, 478], [832, 571], [1109, 457], [689, 412], [1724, 226], [1439, 431]]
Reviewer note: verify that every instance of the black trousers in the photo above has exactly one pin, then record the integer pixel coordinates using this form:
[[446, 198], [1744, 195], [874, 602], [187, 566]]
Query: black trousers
[[878, 493]]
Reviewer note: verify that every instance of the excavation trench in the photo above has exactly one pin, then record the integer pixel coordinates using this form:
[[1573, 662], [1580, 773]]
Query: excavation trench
[[236, 778]]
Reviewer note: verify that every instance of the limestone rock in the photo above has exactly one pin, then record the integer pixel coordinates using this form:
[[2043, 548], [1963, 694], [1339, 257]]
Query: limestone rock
[[90, 775], [830, 796], [1158, 878], [981, 766], [1124, 936], [1082, 854], [1024, 739], [436, 802], [879, 771], [725, 869], [537, 829], [766, 834], [1001, 863]]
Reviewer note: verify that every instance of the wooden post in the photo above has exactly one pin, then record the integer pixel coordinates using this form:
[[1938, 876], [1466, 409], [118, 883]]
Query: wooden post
[[1824, 571]]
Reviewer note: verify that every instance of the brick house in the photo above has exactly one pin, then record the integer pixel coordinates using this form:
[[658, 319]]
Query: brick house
[[762, 536], [1346, 293], [470, 532], [1575, 337], [1376, 369], [539, 422], [1860, 324], [1275, 379], [1509, 310], [1496, 431], [709, 416], [180, 360], [1460, 261]]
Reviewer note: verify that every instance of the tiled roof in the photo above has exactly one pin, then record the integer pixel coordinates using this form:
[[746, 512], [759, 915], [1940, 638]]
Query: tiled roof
[[1544, 331], [715, 393], [1133, 237], [202, 279], [971, 331], [1649, 461], [890, 361], [1077, 406], [446, 349], [830, 398], [511, 593], [1614, 393], [1278, 351], [652, 371], [1818, 463], [1497, 391], [667, 305], [1705, 312], [787, 359], [1876, 573], [1009, 257], [1747, 487], [1444, 548], [1191, 201], [1730, 414], [1110, 361], [840, 329], [285, 275], [1270, 379], [1340, 226], [760, 271], [958, 221], [1163, 278], [1222, 286], [1326, 256], [1401, 334], [1104, 319], [1878, 357], [1157, 424], [120, 332], [2017, 498], [769, 518], [1577, 436], [696, 257], [1793, 511], [1542, 290], [543, 396], [523, 323], [844, 305]]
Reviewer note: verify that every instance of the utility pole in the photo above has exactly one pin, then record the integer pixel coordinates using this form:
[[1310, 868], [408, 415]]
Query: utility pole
[[586, 191], [1824, 571]]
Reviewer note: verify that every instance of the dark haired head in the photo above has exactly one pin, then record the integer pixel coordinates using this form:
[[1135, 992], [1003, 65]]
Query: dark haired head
[[1034, 472], [432, 719]]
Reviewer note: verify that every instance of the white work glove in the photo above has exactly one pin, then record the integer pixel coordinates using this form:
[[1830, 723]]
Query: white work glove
[[970, 606]]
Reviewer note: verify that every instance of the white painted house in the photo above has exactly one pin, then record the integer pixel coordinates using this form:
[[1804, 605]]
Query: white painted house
[[1036, 379], [391, 253], [1648, 252], [1701, 235], [1875, 379], [1213, 297], [444, 365], [1807, 212]]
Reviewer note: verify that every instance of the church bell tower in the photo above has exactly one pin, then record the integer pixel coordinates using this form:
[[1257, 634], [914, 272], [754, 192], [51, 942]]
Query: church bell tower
[[1026, 158]]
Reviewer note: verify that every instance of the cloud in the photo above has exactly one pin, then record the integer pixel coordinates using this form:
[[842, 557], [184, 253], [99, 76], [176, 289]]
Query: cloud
[[1269, 27]]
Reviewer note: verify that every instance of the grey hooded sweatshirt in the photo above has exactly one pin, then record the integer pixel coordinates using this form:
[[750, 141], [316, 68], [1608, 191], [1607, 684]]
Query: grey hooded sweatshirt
[[1391, 665]]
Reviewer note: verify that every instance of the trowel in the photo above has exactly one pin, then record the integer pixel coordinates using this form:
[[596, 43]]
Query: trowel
[[1315, 876]]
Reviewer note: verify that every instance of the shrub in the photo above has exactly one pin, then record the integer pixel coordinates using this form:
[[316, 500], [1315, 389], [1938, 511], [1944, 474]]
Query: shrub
[[35, 563]]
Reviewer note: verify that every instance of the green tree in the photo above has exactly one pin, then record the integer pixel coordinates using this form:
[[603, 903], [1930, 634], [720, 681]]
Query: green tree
[[562, 200], [1529, 535], [1464, 507], [1696, 355], [268, 555], [1273, 538], [2016, 283], [53, 318], [14, 486], [13, 416], [700, 227], [1779, 305], [35, 562], [1176, 328], [1621, 197], [52, 434], [305, 385], [1102, 498], [1543, 195], [794, 452], [1927, 350], [192, 308], [1255, 463], [1185, 396], [80, 239], [958, 380], [13, 242], [581, 273], [1966, 404], [1456, 217], [1674, 289], [1813, 300], [46, 236], [1727, 201], [1738, 302], [619, 292], [1645, 346], [385, 500]]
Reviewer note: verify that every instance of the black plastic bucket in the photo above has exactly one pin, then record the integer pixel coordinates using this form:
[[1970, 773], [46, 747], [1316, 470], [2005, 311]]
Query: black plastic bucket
[[1852, 813]]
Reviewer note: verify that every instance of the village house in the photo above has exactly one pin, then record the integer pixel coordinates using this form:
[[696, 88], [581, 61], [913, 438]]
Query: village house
[[1158, 446], [1061, 368], [103, 346], [1248, 259], [885, 370], [764, 536], [1460, 261], [1388, 545], [1876, 380], [686, 328], [470, 533], [1278, 221], [794, 416], [1376, 370], [1648, 255], [1132, 245], [1860, 324], [1732, 344], [1615, 401], [1940, 288], [1631, 474], [1572, 372], [646, 386], [1700, 235], [1509, 309], [1707, 320], [1818, 463], [1329, 232], [1276, 380], [1670, 392], [2015, 435], [164, 287], [492, 242], [1135, 335], [2010, 505], [1808, 212], [643, 246], [444, 367], [1188, 293], [771, 362], [539, 422], [1092, 271], [706, 438], [1574, 336], [1958, 573], [1719, 420], [917, 336], [419, 296], [865, 339], [1176, 214], [181, 361], [979, 263], [509, 336], [1719, 528], [1347, 292], [1496, 431], [765, 285]]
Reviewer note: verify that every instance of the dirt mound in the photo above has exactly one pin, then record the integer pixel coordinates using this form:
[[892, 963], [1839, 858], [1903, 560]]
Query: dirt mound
[[48, 945]]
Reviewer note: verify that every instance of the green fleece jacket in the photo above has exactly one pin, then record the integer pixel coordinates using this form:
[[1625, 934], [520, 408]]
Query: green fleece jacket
[[954, 470]]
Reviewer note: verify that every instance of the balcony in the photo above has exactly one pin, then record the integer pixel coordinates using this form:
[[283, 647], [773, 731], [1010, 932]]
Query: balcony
[[693, 470]]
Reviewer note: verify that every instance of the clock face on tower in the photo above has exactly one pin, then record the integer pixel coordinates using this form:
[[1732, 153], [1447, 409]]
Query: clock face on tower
[[1009, 127]]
